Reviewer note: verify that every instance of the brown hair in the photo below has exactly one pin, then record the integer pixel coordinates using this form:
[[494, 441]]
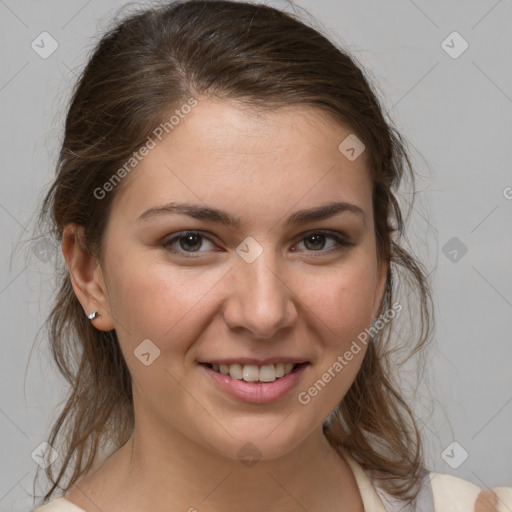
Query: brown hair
[[145, 67]]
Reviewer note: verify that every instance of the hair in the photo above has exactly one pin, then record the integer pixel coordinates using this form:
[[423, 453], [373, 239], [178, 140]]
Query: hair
[[143, 68]]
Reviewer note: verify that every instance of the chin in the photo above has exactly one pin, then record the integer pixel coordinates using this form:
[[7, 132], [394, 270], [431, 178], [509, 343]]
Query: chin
[[272, 441]]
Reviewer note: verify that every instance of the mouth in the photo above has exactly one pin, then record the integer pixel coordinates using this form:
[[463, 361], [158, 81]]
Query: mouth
[[255, 373], [256, 384]]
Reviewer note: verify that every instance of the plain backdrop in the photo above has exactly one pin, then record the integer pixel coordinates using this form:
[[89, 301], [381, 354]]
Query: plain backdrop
[[452, 103]]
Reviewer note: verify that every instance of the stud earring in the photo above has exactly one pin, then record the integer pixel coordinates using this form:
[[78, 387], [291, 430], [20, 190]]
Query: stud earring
[[93, 315]]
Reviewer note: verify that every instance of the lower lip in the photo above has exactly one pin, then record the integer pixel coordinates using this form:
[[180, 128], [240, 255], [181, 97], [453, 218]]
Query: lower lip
[[257, 392]]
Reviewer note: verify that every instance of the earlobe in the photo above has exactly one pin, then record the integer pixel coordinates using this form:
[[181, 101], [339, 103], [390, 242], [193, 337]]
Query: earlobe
[[86, 277]]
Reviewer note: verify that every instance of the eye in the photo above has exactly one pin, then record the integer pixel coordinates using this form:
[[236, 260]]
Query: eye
[[315, 241], [188, 242]]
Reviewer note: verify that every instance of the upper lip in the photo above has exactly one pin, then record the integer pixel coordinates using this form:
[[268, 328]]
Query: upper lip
[[255, 361]]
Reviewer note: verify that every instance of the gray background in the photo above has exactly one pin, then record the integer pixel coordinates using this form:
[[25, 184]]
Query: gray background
[[455, 113]]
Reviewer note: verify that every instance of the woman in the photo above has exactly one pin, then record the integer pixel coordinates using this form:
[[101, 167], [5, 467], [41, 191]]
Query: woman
[[225, 204]]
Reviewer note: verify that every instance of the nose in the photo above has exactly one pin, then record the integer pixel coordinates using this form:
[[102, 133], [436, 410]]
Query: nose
[[259, 300]]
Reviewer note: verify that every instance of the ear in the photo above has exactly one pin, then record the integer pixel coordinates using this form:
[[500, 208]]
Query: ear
[[86, 277], [380, 285]]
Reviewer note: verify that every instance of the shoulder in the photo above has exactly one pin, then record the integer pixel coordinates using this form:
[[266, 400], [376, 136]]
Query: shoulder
[[453, 494], [58, 505]]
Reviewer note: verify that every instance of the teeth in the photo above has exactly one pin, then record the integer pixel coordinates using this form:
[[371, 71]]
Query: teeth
[[254, 373]]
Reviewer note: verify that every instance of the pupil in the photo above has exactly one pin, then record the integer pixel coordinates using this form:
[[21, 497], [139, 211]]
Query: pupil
[[188, 239], [319, 239]]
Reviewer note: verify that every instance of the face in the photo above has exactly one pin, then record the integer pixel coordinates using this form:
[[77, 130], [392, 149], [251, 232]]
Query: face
[[279, 284]]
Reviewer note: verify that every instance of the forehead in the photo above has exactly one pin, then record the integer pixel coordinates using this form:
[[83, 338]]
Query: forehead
[[221, 150], [231, 127]]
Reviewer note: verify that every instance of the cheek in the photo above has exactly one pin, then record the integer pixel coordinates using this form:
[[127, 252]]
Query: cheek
[[343, 301], [156, 301], [342, 306]]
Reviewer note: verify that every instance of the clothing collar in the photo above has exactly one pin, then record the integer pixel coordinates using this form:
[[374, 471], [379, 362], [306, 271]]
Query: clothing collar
[[371, 500]]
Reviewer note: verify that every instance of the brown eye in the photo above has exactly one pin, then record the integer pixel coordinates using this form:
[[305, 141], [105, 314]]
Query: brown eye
[[187, 242], [192, 242], [316, 241]]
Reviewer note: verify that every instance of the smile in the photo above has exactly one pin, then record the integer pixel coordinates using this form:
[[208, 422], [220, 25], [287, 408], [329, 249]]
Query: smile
[[248, 384], [254, 373]]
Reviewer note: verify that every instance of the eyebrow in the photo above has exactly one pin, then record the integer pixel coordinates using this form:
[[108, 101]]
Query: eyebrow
[[215, 215]]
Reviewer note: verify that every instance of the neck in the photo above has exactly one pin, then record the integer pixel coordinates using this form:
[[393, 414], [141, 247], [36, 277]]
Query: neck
[[172, 472]]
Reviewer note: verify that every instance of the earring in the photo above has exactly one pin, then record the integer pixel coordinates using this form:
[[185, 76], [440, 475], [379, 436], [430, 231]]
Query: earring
[[93, 315]]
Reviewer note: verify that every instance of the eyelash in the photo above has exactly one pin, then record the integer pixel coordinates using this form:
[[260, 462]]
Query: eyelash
[[340, 241]]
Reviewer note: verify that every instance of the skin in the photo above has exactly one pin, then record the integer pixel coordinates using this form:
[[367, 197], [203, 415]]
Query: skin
[[302, 297]]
